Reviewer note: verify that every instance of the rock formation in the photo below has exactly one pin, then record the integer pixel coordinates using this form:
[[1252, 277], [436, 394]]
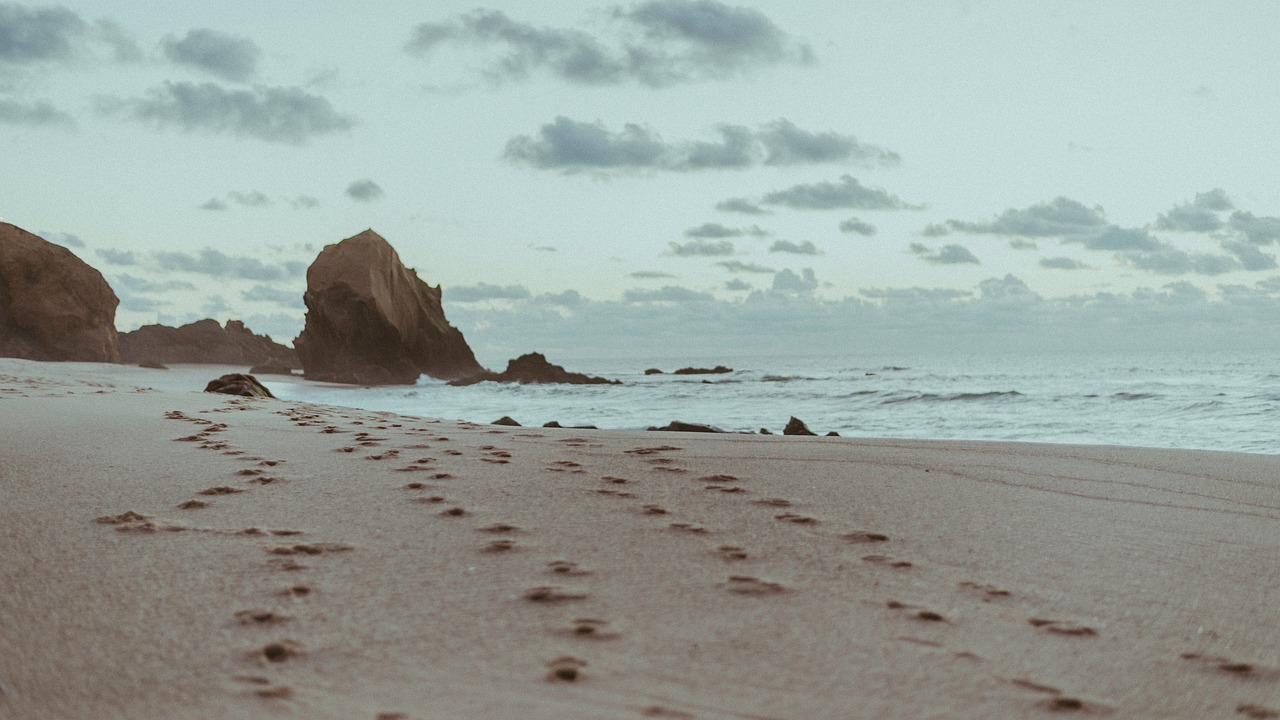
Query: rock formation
[[717, 370], [681, 426], [534, 368], [372, 321], [796, 426], [204, 341], [238, 384], [53, 306]]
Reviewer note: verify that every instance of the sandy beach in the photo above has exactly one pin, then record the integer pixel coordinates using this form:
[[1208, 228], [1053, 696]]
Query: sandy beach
[[174, 554]]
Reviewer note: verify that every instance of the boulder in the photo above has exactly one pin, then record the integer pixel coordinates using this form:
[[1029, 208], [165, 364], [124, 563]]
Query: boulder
[[53, 306], [680, 426], [653, 371], [372, 321], [238, 384], [795, 426], [534, 368], [506, 420], [717, 370], [205, 341]]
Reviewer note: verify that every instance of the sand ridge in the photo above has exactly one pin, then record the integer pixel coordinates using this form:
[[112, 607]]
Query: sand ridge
[[191, 555]]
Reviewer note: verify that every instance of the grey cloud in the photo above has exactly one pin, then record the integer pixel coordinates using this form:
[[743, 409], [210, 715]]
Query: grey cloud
[[1060, 218], [1197, 216], [670, 293], [34, 114], [568, 298], [229, 57], [736, 285], [364, 190], [276, 296], [118, 257], [215, 305], [855, 226], [124, 47], [253, 198], [657, 43], [848, 193], [1062, 263], [713, 230], [273, 114], [787, 281], [1249, 256], [786, 246], [214, 204], [1118, 239], [38, 35], [574, 146], [945, 255], [736, 266], [305, 202], [543, 248], [63, 239], [699, 247], [741, 205], [650, 275], [911, 297], [1258, 230], [786, 144], [481, 292], [935, 230], [1169, 260], [220, 265], [1023, 244], [133, 283]]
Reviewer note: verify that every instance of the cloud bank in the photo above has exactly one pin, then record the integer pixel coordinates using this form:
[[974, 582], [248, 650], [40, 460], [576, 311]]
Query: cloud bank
[[229, 57]]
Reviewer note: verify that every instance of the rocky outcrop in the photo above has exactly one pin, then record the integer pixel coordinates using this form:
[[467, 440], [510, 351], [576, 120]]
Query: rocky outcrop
[[238, 384], [53, 306], [204, 341], [372, 321], [717, 370], [681, 426], [534, 368], [796, 426]]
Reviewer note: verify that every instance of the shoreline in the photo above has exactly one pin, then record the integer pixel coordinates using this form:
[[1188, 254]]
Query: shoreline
[[554, 573]]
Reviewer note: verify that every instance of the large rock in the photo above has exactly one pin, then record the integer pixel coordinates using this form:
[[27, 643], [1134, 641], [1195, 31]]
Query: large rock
[[238, 384], [53, 306], [204, 341], [372, 321], [534, 368]]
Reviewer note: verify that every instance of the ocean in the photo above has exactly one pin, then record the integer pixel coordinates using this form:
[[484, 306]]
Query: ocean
[[1211, 401]]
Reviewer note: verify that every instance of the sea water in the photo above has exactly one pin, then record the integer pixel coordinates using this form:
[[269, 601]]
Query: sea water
[[1214, 401]]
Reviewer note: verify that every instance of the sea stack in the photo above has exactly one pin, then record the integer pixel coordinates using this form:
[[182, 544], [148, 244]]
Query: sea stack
[[53, 305], [372, 321], [204, 341]]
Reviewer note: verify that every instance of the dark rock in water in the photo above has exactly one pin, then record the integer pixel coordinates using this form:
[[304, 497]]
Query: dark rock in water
[[506, 420], [552, 424], [53, 306], [372, 321], [765, 431], [653, 371], [833, 433], [205, 341], [534, 368], [679, 426], [271, 370], [152, 365], [795, 426], [238, 384], [717, 370]]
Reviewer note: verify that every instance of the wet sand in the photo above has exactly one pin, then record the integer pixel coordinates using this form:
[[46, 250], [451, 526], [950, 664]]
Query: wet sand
[[172, 554]]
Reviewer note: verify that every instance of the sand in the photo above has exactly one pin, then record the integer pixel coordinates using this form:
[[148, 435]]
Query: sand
[[166, 553]]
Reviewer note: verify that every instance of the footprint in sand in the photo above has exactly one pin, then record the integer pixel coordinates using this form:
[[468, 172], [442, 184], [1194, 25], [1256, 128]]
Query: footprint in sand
[[551, 594], [568, 568], [1229, 666], [747, 585], [989, 592], [774, 502], [615, 480], [432, 500], [887, 561], [731, 552], [566, 669], [1063, 627], [919, 613], [689, 528], [310, 549], [295, 591], [861, 536], [278, 652], [1250, 710], [260, 617], [499, 546], [455, 512], [221, 490], [591, 629], [654, 510], [268, 692], [726, 488], [796, 518], [193, 505]]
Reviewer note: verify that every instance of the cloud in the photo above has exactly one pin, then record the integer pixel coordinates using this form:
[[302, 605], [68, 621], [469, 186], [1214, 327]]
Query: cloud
[[1249, 256], [1023, 244], [785, 246], [736, 285], [118, 257], [670, 294], [854, 226], [273, 114], [229, 57], [253, 198], [61, 238], [1197, 216], [716, 230], [39, 35], [1062, 263], [650, 275], [656, 43], [35, 114], [543, 248], [484, 291], [215, 205], [848, 193], [741, 205], [364, 190], [789, 282], [945, 255], [124, 47], [935, 230], [1060, 218], [1118, 239], [217, 264], [277, 296], [305, 202], [133, 283], [701, 247], [1257, 230], [572, 146], [735, 266]]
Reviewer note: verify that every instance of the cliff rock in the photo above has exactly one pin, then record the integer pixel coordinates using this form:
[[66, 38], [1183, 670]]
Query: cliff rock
[[204, 341], [53, 306], [372, 321], [534, 368]]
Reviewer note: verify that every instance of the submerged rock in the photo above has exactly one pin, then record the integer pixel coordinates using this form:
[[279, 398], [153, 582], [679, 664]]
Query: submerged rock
[[534, 368], [238, 384], [372, 321], [795, 426], [53, 306], [717, 370]]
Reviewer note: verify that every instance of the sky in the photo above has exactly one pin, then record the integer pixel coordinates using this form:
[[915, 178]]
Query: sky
[[671, 177]]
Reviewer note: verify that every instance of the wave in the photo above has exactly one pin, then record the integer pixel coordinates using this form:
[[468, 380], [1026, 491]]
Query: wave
[[953, 397], [1134, 396]]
